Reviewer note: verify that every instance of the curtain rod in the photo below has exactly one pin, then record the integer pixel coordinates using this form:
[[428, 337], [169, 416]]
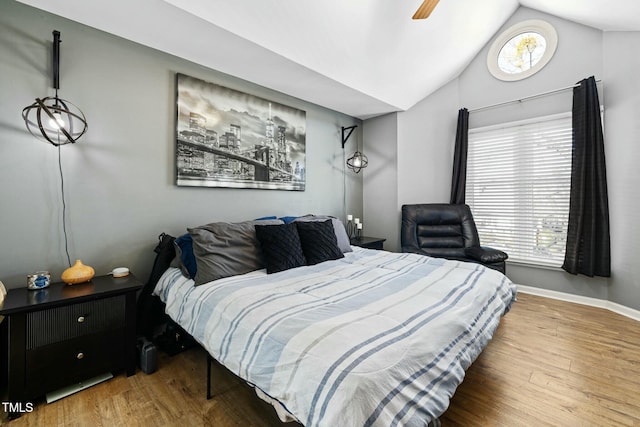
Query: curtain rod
[[499, 104]]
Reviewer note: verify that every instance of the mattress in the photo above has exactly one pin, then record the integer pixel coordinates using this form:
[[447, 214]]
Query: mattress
[[374, 339]]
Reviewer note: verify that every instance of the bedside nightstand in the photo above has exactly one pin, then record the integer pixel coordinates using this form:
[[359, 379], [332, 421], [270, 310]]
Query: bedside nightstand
[[64, 334], [368, 242]]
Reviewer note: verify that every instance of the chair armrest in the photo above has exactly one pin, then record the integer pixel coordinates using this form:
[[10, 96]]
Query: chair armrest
[[485, 255]]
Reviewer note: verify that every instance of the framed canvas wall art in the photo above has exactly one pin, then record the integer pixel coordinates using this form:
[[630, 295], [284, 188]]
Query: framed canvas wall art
[[228, 138]]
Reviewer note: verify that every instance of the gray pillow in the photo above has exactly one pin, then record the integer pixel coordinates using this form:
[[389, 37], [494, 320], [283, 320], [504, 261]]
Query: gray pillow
[[338, 227], [224, 249]]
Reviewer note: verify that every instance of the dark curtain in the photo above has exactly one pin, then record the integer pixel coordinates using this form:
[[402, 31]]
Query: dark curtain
[[588, 246], [459, 180]]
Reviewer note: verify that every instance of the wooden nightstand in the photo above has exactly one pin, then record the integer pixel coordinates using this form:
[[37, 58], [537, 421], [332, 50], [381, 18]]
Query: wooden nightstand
[[65, 334], [368, 242]]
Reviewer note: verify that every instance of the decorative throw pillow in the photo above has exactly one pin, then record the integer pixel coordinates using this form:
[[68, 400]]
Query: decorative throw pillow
[[184, 252], [224, 249], [318, 241], [338, 228], [288, 219], [280, 246]]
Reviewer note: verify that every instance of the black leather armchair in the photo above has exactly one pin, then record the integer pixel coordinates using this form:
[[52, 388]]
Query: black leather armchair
[[446, 231]]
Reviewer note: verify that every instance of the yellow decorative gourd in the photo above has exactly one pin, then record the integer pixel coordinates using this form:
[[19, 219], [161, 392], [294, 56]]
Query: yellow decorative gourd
[[78, 273]]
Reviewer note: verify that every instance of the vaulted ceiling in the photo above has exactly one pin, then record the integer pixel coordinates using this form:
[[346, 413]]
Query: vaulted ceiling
[[360, 57]]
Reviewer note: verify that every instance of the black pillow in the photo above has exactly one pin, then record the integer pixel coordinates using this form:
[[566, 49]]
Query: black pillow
[[280, 247], [319, 242]]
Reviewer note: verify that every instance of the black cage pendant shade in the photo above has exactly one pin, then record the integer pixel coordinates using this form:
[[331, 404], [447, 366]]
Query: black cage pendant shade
[[58, 121], [357, 162]]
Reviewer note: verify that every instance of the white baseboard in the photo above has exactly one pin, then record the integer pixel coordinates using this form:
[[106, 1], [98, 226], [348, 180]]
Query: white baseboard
[[594, 302]]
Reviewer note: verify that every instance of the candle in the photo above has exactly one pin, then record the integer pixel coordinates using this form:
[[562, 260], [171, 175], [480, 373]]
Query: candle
[[357, 220], [359, 226], [349, 217]]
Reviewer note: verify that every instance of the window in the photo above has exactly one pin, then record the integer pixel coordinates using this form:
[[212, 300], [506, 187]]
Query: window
[[518, 183], [522, 50]]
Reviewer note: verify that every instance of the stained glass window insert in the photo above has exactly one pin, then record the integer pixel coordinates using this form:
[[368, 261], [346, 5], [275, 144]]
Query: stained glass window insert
[[522, 52]]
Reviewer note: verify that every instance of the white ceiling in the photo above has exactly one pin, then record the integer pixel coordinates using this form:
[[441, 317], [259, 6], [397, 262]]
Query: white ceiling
[[360, 57]]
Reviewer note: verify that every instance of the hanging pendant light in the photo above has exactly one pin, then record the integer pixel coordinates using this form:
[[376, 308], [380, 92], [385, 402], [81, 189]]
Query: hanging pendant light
[[58, 121], [358, 160]]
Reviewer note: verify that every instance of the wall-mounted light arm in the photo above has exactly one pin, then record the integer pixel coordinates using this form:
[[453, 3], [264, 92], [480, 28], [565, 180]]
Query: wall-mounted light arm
[[56, 60], [350, 131]]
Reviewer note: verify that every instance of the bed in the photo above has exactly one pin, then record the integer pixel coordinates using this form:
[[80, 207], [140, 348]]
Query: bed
[[369, 338]]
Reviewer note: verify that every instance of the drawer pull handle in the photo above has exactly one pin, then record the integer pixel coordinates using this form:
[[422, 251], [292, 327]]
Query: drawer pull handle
[[81, 319], [80, 356]]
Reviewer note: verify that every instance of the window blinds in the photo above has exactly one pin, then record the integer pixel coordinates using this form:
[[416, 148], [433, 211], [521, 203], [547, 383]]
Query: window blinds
[[518, 182]]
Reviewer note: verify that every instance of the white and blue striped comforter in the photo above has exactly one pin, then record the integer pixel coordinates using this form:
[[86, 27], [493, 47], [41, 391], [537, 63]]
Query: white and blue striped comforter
[[373, 339]]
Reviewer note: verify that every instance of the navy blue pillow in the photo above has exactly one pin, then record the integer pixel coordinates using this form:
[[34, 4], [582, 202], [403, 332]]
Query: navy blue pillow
[[318, 241], [280, 247], [184, 250], [288, 219]]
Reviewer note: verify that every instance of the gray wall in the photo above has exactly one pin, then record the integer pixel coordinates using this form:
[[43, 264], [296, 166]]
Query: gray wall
[[622, 130], [422, 170], [119, 178], [425, 163], [426, 136], [380, 193]]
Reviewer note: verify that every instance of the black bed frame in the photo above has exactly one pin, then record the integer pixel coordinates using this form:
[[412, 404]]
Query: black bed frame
[[151, 314]]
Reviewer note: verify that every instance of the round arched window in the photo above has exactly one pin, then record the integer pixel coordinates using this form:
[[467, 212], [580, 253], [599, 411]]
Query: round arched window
[[522, 50]]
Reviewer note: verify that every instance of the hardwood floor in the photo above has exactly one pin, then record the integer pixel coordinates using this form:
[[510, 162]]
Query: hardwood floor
[[554, 363], [551, 363]]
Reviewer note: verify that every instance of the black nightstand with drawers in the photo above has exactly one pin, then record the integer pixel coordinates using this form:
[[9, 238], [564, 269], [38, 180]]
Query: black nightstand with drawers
[[64, 334]]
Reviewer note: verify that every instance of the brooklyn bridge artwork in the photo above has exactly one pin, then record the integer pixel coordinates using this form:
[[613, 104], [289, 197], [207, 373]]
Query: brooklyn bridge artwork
[[227, 138]]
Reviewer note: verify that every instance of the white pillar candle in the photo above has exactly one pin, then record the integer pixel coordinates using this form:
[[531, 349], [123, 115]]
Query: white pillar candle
[[360, 226], [349, 217], [357, 220]]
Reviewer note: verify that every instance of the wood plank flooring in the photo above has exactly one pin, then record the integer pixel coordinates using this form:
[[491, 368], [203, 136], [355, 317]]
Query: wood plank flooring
[[551, 363]]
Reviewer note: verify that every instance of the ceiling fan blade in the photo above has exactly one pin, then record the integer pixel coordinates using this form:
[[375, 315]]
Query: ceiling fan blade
[[425, 9]]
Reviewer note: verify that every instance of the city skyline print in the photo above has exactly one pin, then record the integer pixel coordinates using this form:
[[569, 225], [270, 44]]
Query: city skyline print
[[228, 138]]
